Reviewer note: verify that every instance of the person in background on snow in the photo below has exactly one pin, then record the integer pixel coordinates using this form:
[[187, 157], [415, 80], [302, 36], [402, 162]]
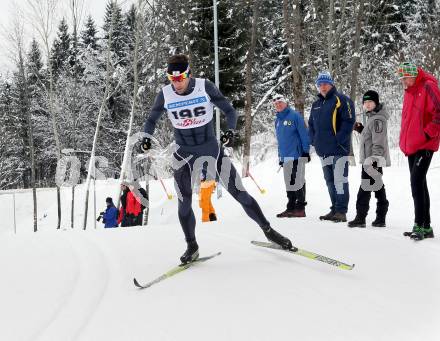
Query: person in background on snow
[[293, 143], [131, 211], [207, 187], [110, 215], [331, 123], [122, 218], [419, 139], [189, 103], [374, 154]]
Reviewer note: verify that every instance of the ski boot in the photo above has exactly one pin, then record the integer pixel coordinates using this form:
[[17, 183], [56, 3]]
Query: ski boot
[[278, 238], [191, 253], [358, 221], [328, 216], [420, 233]]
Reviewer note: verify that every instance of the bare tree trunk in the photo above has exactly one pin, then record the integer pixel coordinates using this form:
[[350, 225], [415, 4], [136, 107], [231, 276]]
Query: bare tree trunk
[[355, 62], [44, 14], [76, 11], [338, 39], [331, 28], [98, 123], [294, 50], [248, 82], [18, 33], [135, 93], [355, 65]]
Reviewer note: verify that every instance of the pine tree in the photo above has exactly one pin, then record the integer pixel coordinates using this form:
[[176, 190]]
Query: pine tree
[[88, 35], [61, 49]]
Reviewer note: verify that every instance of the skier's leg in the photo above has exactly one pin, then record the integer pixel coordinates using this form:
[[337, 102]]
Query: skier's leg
[[182, 183]]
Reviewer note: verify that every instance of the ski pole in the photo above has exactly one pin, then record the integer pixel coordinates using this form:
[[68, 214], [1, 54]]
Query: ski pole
[[262, 190], [169, 196]]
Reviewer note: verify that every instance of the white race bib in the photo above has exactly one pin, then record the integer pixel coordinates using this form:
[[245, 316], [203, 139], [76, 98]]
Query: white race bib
[[190, 111]]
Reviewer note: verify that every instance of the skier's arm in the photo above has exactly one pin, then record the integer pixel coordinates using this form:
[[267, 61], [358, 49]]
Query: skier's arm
[[222, 103], [156, 112]]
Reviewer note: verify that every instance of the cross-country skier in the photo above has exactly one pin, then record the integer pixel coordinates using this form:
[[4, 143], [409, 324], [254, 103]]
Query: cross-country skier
[[189, 103]]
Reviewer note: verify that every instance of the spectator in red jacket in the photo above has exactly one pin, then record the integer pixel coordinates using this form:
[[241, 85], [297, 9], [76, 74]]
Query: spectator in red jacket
[[419, 139], [131, 211]]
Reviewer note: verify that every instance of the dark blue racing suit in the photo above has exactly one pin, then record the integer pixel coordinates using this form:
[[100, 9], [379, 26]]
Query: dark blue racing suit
[[196, 148]]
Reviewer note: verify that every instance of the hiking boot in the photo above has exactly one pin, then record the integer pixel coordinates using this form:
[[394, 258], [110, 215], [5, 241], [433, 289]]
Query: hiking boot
[[285, 214], [339, 217], [299, 213], [277, 238], [358, 221], [191, 253], [379, 222], [420, 233], [328, 216]]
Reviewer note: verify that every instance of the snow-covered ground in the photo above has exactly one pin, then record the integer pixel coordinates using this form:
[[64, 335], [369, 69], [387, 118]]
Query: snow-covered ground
[[77, 285]]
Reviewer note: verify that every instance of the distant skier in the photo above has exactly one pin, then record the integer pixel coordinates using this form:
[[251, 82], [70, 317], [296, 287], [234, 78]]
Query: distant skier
[[419, 139], [189, 104], [374, 154], [293, 143]]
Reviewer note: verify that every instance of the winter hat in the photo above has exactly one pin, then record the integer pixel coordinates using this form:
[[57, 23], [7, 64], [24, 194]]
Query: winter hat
[[109, 200], [324, 77], [279, 98], [407, 69], [371, 95]]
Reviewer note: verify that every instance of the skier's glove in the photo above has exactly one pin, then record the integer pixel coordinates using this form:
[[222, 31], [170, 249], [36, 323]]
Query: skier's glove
[[227, 138], [281, 163], [307, 155], [358, 126], [145, 145]]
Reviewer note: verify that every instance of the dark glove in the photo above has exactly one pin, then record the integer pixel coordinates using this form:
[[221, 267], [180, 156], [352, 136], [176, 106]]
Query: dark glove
[[145, 145], [374, 164], [281, 163], [358, 126], [307, 155], [227, 138]]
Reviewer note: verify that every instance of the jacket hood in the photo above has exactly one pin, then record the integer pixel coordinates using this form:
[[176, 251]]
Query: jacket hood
[[381, 111]]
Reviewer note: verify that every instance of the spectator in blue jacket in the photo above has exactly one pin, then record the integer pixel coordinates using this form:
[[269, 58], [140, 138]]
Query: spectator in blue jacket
[[110, 215], [331, 121], [293, 144]]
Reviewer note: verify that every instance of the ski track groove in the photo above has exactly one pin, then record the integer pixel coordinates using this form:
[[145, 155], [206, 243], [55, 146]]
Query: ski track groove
[[62, 326], [38, 334]]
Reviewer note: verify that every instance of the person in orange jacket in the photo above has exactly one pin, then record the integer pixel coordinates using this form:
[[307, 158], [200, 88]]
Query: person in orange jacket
[[207, 187]]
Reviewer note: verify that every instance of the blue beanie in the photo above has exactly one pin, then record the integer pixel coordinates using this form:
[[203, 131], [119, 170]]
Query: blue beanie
[[324, 77]]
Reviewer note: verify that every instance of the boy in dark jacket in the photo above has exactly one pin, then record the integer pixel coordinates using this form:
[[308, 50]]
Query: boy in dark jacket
[[374, 154], [293, 143]]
